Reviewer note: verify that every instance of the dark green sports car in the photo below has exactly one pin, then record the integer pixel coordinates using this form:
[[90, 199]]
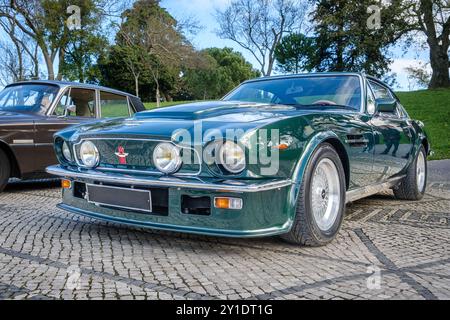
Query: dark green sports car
[[276, 156]]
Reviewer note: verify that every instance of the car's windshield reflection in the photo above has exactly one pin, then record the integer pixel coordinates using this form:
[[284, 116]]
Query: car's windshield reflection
[[342, 91], [28, 98]]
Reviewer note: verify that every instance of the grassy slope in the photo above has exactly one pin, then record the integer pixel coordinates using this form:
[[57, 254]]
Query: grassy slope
[[430, 106], [152, 105], [433, 108]]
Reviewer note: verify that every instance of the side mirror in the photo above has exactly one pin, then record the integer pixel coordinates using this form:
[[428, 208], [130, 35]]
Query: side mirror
[[69, 108], [386, 105]]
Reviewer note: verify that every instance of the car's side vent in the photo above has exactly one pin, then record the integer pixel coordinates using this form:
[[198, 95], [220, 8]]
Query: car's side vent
[[357, 140]]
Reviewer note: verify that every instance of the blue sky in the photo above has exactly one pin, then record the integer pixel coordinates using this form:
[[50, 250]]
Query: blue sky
[[203, 11]]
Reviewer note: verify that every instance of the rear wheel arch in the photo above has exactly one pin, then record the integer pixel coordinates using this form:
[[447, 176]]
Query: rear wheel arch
[[426, 145], [15, 169]]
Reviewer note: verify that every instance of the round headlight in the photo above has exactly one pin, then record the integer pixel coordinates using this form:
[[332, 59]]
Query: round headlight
[[66, 152], [89, 154], [167, 158], [232, 157]]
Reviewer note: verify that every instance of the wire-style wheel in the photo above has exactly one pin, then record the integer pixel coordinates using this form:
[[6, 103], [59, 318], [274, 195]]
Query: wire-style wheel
[[420, 172], [325, 194], [321, 200], [413, 186]]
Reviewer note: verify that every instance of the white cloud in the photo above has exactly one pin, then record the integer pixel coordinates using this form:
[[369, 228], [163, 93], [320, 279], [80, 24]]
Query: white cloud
[[399, 65]]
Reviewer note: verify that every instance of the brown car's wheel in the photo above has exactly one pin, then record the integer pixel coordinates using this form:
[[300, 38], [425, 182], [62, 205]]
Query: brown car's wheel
[[321, 201], [413, 186], [5, 170]]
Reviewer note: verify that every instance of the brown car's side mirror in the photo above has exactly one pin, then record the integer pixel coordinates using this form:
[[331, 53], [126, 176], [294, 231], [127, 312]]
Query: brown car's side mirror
[[386, 105]]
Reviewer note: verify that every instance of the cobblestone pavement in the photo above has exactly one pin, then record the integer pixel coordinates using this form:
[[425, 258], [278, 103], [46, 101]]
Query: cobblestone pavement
[[387, 249]]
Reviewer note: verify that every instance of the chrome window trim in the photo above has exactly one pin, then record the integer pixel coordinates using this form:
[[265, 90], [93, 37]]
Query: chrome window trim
[[138, 171]]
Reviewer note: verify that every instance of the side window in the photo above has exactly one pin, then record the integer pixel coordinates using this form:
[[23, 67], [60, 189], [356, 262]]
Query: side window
[[370, 102], [113, 105], [380, 92], [82, 99]]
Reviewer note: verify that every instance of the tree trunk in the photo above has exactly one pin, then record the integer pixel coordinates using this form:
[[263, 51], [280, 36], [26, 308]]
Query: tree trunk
[[136, 84], [35, 59], [440, 64], [158, 95], [49, 64], [438, 47], [62, 55]]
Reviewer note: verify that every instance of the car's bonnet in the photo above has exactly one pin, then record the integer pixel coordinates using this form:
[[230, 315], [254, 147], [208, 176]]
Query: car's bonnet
[[203, 116]]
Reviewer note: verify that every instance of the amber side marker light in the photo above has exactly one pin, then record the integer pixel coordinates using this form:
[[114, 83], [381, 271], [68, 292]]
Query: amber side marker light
[[282, 146], [228, 203], [66, 184]]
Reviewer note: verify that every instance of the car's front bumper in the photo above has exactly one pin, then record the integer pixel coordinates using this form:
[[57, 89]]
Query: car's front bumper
[[268, 206]]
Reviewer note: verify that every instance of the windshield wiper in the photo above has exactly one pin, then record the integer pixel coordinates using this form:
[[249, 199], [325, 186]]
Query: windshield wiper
[[320, 105]]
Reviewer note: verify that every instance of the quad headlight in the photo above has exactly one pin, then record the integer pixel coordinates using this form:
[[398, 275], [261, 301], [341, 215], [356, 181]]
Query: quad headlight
[[232, 157], [89, 154], [66, 152], [167, 158]]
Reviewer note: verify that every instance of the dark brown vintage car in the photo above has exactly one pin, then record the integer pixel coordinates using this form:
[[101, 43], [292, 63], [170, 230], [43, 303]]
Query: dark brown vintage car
[[31, 112]]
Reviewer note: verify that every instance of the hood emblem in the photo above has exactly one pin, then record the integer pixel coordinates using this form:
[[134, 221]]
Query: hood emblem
[[121, 155]]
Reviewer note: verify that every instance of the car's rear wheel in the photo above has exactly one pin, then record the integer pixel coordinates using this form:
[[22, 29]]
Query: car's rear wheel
[[5, 170], [413, 186], [321, 201]]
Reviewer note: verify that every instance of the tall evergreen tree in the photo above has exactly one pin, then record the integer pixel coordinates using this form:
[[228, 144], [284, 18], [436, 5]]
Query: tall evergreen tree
[[346, 43]]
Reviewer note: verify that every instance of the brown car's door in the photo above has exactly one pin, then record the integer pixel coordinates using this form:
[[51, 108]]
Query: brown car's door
[[85, 101]]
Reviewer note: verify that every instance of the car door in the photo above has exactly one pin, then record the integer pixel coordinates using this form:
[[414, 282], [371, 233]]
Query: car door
[[393, 136], [84, 99]]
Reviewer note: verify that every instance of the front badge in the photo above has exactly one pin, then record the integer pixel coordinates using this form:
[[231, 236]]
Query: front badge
[[122, 155]]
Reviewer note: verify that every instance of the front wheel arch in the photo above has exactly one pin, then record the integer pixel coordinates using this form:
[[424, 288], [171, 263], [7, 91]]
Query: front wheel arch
[[15, 169], [309, 149]]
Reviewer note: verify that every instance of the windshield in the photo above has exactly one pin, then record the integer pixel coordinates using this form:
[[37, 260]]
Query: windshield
[[30, 98], [302, 91]]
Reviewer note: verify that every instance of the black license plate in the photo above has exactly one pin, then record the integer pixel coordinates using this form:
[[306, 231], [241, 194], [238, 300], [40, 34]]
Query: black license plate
[[121, 198]]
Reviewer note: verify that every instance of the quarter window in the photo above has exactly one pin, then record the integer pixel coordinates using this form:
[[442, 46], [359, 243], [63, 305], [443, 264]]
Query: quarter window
[[113, 105], [380, 92], [370, 102]]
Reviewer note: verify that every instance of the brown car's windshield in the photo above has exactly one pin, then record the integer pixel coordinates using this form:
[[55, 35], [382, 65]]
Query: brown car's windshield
[[29, 98]]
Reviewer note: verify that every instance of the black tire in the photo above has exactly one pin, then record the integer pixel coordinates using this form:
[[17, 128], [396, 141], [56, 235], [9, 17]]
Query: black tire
[[408, 188], [305, 230], [5, 170]]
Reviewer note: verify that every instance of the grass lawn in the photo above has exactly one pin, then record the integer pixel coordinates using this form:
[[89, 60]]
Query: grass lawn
[[433, 108], [152, 105], [430, 106]]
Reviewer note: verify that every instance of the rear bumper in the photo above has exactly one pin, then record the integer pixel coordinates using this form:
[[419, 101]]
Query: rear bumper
[[268, 207]]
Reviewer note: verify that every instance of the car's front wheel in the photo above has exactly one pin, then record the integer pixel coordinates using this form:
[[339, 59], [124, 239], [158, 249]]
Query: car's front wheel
[[321, 201], [5, 170], [413, 186]]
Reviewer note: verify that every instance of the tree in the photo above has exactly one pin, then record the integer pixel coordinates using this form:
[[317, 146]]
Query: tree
[[432, 18], [19, 55], [294, 53], [223, 69], [419, 75], [156, 42], [259, 26], [45, 22], [344, 41]]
